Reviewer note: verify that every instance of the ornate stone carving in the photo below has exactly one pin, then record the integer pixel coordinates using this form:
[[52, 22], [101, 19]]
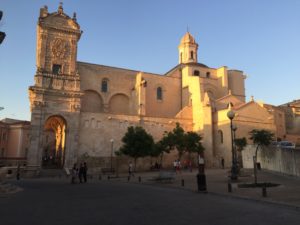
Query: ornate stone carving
[[59, 48], [75, 107]]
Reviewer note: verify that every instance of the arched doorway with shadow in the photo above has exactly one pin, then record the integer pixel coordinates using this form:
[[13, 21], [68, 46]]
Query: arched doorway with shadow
[[54, 142]]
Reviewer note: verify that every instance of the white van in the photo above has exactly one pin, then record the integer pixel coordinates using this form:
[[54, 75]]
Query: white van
[[286, 144]]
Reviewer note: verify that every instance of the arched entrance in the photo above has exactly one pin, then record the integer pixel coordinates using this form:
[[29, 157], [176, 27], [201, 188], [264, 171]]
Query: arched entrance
[[54, 140]]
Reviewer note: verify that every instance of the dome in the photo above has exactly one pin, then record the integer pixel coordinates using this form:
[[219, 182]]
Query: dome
[[187, 38]]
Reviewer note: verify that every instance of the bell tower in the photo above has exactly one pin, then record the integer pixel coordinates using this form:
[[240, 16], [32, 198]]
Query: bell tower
[[188, 49], [57, 37], [55, 97]]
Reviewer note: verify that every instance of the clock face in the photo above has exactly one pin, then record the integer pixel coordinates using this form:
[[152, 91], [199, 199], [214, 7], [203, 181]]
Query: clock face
[[59, 48]]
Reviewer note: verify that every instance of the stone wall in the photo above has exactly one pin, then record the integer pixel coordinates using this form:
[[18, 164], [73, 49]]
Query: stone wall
[[286, 161], [98, 129]]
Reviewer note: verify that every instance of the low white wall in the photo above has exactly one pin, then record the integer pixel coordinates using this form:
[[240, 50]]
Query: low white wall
[[286, 161]]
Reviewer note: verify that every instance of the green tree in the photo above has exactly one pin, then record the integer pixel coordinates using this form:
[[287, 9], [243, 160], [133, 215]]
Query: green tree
[[192, 142], [260, 138], [137, 143], [240, 143], [182, 141], [175, 140]]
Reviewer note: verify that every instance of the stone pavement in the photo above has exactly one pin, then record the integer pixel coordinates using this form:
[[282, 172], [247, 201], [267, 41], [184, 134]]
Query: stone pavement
[[50, 201], [287, 193]]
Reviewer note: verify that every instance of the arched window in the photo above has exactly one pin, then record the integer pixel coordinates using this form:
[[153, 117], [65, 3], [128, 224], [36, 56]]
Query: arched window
[[180, 57], [220, 134], [104, 85], [208, 74], [159, 94], [192, 55]]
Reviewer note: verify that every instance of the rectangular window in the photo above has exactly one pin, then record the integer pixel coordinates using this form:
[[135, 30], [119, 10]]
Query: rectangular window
[[196, 73], [56, 69], [4, 136], [192, 55]]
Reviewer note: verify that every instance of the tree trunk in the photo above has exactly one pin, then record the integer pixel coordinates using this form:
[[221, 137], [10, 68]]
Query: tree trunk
[[161, 160], [255, 165], [255, 171]]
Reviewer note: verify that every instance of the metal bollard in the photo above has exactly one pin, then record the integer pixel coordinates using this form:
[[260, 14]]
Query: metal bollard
[[108, 177], [100, 177], [140, 179], [229, 187], [264, 191], [201, 183], [182, 182], [128, 178]]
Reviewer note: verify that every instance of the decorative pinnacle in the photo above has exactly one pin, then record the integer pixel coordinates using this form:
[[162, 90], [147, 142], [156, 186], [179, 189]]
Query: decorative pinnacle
[[74, 16], [60, 8]]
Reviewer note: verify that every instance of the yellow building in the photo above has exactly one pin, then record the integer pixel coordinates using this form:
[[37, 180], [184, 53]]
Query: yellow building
[[79, 108]]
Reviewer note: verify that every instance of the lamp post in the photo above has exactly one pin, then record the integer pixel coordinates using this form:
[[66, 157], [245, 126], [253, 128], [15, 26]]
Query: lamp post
[[234, 128], [111, 154], [201, 178], [231, 115]]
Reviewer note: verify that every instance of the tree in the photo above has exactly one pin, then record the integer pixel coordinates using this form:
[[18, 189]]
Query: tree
[[193, 142], [181, 141], [240, 144], [260, 138], [175, 140], [136, 143], [156, 151]]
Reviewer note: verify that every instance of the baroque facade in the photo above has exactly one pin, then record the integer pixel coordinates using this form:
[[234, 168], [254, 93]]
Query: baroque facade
[[80, 108]]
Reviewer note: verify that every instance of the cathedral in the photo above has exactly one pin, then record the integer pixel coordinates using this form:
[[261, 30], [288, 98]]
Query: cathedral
[[79, 109]]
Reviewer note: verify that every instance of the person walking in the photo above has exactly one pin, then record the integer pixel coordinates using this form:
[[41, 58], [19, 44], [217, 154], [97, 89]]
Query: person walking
[[130, 169], [18, 172], [223, 163], [80, 174], [175, 165], [74, 173], [85, 172]]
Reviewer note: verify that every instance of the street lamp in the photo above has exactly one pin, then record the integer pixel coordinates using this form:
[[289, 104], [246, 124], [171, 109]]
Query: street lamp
[[201, 178], [234, 128], [230, 115], [111, 154]]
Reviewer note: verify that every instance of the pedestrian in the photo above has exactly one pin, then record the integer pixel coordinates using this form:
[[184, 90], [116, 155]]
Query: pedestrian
[[190, 166], [179, 165], [85, 172], [80, 174], [18, 172], [74, 173], [223, 163], [130, 169], [175, 165]]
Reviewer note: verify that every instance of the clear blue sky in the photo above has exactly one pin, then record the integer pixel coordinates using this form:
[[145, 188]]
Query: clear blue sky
[[259, 37]]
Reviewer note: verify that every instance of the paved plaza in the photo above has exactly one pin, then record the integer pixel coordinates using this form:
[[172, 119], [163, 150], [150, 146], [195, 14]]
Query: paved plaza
[[117, 201]]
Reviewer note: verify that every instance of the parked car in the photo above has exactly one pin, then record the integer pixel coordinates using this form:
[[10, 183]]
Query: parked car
[[286, 144]]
